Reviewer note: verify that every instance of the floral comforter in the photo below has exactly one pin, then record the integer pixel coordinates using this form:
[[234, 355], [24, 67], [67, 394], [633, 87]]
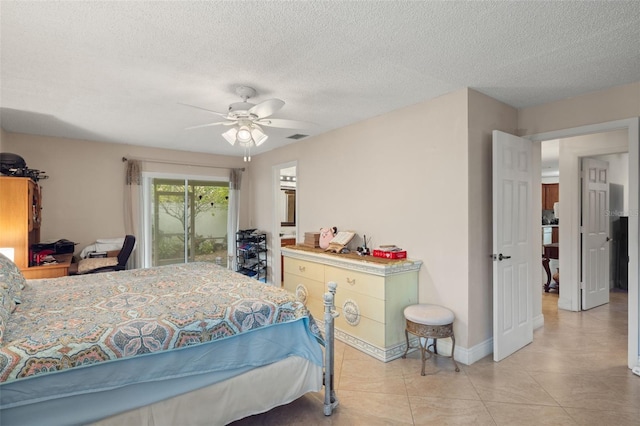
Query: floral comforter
[[80, 320]]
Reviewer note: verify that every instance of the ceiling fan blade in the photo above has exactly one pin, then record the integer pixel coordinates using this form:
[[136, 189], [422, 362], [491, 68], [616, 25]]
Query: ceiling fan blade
[[218, 123], [204, 109], [285, 124], [266, 108]]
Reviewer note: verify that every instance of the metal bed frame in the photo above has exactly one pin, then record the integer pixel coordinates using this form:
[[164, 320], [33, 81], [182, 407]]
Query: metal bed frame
[[330, 313]]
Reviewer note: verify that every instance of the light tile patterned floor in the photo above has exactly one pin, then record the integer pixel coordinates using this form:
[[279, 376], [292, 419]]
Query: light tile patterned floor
[[574, 373]]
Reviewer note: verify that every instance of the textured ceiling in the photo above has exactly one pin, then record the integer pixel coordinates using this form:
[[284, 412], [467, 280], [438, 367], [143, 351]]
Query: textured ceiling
[[116, 71]]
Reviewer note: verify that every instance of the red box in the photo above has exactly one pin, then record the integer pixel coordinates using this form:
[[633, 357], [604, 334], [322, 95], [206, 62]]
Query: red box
[[390, 254]]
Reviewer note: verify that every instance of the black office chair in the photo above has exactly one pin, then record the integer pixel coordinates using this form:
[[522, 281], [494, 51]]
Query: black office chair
[[106, 264]]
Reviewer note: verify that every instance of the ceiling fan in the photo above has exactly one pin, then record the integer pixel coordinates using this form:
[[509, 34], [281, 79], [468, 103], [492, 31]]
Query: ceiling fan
[[247, 120]]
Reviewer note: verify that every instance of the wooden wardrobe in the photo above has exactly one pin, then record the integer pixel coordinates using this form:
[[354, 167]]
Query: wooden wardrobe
[[20, 216]]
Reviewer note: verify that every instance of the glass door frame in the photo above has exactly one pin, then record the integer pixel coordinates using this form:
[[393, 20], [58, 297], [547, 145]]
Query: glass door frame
[[147, 212]]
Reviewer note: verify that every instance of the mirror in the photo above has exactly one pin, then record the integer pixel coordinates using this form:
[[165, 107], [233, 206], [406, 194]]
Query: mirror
[[288, 184], [289, 210]]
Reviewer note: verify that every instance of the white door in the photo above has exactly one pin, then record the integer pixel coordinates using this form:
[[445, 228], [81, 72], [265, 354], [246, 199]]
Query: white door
[[512, 245], [595, 233]]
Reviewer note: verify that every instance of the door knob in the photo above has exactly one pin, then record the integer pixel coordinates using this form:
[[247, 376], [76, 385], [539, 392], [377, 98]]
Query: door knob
[[501, 257]]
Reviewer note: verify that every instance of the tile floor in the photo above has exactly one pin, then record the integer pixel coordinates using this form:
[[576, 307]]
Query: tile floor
[[574, 372]]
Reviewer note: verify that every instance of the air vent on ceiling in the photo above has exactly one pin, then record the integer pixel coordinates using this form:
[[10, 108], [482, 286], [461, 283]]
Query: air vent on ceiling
[[297, 136]]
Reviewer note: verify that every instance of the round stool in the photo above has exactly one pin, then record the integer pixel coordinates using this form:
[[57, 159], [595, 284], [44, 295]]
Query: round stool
[[429, 322]]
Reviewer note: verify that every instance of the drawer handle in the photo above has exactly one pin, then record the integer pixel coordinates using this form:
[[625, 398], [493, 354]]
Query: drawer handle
[[302, 268], [351, 281]]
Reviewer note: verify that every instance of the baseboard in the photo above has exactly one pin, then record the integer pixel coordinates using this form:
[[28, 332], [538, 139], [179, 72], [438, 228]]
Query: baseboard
[[538, 322], [383, 354], [466, 356], [564, 303]]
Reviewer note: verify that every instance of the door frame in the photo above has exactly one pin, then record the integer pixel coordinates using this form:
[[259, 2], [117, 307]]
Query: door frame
[[569, 252], [276, 272]]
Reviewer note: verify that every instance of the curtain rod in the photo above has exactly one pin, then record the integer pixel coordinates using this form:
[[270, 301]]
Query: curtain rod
[[177, 163]]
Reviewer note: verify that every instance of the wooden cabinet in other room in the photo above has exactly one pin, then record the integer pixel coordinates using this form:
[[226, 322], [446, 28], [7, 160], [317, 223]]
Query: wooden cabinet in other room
[[370, 297], [550, 195]]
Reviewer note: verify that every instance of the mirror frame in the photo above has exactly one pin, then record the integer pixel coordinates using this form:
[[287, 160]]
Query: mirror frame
[[291, 206]]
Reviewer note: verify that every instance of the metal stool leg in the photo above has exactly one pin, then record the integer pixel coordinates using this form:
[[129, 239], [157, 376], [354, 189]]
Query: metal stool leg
[[406, 335], [453, 348], [423, 350]]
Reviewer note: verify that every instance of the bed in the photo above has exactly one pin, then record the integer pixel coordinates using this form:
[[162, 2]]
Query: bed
[[180, 344]]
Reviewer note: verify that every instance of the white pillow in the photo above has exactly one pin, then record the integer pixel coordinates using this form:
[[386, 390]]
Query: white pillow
[[110, 241]]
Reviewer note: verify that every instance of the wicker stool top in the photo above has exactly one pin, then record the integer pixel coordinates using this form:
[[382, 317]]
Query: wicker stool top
[[429, 314]]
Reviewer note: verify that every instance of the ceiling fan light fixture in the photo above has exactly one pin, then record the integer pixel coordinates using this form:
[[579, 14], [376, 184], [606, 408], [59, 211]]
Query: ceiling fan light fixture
[[244, 135], [230, 135], [258, 136]]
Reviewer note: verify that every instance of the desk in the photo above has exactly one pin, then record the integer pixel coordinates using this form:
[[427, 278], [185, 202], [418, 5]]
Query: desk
[[550, 251], [55, 270]]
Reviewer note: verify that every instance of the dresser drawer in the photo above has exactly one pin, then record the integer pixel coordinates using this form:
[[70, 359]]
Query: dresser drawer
[[312, 288], [310, 270], [309, 292], [370, 285], [364, 329], [368, 306]]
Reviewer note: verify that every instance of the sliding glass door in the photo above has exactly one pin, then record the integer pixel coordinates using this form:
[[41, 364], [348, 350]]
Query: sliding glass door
[[186, 221]]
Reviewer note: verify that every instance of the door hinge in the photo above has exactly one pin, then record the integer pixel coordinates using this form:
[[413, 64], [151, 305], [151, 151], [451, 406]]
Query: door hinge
[[581, 285]]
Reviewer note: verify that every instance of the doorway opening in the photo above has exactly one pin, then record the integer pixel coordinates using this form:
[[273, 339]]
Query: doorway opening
[[285, 214], [569, 233]]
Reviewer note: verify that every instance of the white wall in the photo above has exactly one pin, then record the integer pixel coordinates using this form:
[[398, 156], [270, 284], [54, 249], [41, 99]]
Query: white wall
[[602, 106], [377, 178]]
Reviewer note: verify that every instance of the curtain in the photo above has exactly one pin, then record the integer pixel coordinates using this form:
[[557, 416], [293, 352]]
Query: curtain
[[235, 180], [133, 180]]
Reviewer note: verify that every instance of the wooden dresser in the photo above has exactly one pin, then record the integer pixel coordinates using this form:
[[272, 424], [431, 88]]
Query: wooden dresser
[[20, 217], [20, 220], [371, 297]]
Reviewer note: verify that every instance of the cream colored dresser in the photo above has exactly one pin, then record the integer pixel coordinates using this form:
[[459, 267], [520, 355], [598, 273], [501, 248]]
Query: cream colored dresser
[[371, 296]]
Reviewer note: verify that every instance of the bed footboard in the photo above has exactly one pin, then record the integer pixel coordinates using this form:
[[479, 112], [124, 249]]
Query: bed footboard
[[330, 313]]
